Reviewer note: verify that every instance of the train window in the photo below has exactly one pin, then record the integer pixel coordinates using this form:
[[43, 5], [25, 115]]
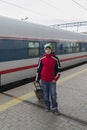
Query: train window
[[59, 48], [13, 49], [69, 47], [83, 47], [33, 49], [77, 47], [42, 43], [66, 48]]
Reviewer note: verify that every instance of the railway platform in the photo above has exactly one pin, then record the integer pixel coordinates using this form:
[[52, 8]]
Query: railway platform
[[21, 110]]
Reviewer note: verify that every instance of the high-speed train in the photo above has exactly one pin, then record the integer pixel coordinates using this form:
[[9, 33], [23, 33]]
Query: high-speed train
[[22, 44]]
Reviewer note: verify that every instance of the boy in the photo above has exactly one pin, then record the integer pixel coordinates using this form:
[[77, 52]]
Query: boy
[[48, 71]]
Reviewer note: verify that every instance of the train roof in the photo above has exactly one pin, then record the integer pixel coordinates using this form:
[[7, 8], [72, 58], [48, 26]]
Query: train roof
[[22, 29]]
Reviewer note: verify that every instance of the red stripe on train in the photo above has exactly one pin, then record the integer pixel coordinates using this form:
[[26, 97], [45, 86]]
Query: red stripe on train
[[34, 66], [17, 69], [73, 58]]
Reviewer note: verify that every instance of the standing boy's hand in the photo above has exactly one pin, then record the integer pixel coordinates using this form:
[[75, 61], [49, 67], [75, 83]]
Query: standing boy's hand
[[54, 81], [37, 82]]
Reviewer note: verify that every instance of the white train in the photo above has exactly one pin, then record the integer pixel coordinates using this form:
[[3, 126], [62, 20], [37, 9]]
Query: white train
[[21, 45]]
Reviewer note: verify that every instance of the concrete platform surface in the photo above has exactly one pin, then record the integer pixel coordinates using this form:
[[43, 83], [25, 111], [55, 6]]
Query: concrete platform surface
[[21, 110]]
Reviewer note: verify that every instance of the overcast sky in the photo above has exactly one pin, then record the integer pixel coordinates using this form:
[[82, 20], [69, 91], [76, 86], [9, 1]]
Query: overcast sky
[[46, 12]]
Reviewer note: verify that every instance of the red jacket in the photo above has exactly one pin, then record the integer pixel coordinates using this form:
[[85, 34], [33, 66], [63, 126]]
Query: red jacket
[[48, 68]]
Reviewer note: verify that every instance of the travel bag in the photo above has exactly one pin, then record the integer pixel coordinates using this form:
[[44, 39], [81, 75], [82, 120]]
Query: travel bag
[[38, 91]]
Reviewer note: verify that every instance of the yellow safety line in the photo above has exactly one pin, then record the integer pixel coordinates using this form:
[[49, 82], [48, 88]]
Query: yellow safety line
[[20, 99], [71, 76], [15, 101]]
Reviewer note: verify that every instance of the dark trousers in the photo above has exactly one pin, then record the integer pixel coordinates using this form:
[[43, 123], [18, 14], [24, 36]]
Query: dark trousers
[[50, 95]]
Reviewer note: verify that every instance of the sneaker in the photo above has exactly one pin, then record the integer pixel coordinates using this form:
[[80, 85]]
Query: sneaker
[[47, 109], [56, 112]]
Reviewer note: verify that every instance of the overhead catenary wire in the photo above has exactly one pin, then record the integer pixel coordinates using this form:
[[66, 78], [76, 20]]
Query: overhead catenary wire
[[34, 12], [50, 3], [25, 9], [80, 5], [58, 9]]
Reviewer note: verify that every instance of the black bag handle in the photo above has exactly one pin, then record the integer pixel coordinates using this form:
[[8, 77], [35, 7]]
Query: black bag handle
[[37, 85]]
